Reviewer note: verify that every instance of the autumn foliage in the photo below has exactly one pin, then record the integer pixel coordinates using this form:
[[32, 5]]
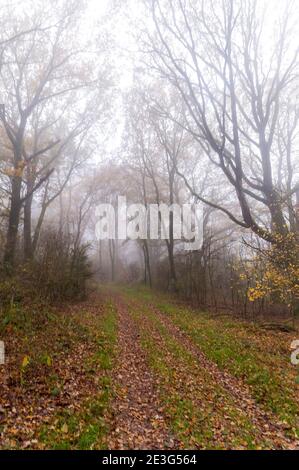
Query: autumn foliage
[[280, 280]]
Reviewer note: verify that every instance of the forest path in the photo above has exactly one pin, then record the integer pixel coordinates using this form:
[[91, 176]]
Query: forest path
[[138, 419], [130, 368], [166, 386]]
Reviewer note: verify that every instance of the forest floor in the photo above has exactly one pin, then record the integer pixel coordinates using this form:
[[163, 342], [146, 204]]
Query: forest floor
[[133, 369]]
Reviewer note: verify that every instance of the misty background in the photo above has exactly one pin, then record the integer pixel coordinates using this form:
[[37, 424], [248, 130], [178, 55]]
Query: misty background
[[162, 102]]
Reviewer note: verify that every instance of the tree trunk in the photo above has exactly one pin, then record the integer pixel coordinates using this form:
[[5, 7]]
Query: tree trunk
[[13, 223], [112, 258], [28, 247], [170, 245], [16, 201], [172, 273], [147, 267]]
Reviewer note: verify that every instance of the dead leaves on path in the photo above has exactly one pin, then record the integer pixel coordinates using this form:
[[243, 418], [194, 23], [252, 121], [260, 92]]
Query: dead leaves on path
[[138, 420]]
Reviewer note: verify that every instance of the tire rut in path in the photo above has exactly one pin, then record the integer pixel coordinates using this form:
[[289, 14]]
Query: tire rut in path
[[137, 415]]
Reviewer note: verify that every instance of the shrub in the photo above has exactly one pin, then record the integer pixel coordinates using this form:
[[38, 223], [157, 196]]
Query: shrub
[[61, 269], [59, 272]]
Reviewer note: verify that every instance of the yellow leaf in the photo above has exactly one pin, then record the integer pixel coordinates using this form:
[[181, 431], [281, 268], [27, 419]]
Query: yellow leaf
[[65, 428], [25, 362]]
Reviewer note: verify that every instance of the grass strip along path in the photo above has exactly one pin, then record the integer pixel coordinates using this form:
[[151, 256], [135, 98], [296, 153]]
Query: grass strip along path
[[56, 384]]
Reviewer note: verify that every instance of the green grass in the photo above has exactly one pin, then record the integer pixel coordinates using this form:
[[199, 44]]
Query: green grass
[[87, 428], [233, 347]]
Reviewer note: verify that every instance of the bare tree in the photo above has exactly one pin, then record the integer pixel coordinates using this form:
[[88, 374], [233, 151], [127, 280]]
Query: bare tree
[[235, 92], [156, 145], [39, 73]]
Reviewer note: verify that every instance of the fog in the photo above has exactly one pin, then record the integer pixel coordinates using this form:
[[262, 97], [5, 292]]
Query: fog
[[161, 102]]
